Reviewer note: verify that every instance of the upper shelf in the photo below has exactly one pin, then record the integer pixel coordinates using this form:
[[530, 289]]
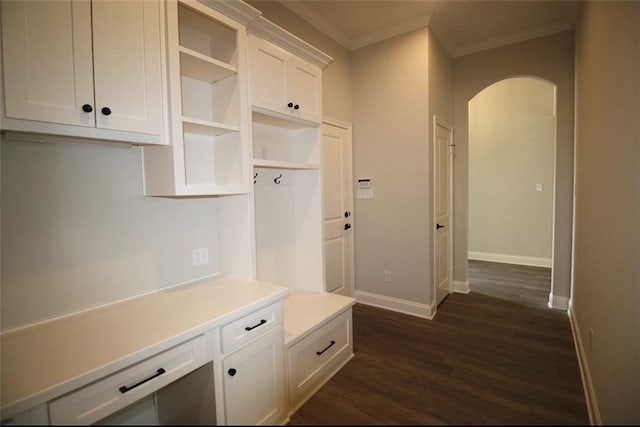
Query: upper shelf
[[204, 68]]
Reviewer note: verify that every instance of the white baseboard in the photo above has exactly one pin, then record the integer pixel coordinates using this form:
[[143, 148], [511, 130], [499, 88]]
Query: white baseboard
[[510, 259], [560, 303], [461, 287], [585, 373], [426, 311]]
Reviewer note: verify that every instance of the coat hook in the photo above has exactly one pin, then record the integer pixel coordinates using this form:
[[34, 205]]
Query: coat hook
[[277, 179], [254, 177]]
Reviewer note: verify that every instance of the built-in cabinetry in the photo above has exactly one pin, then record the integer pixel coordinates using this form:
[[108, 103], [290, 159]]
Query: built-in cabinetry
[[243, 122], [89, 69], [287, 157], [101, 363], [285, 84], [253, 368], [285, 77], [209, 152]]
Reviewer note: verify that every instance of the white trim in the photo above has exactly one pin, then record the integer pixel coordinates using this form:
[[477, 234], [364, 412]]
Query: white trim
[[545, 30], [461, 287], [306, 13], [425, 311], [510, 259], [281, 37], [558, 302], [585, 373], [390, 31]]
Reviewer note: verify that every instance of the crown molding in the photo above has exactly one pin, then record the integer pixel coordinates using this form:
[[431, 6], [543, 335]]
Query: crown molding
[[306, 13], [235, 9], [542, 31], [272, 32], [390, 31]]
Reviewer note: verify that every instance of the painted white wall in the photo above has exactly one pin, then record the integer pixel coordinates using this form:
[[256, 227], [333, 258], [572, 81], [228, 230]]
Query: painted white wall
[[511, 149], [77, 231], [606, 288], [549, 58]]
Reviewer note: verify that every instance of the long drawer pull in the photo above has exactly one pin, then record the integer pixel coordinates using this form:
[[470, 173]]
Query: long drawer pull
[[250, 328], [125, 389], [319, 353]]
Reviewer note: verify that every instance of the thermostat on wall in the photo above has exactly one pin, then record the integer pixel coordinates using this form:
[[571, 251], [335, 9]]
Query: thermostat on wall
[[365, 190], [364, 183]]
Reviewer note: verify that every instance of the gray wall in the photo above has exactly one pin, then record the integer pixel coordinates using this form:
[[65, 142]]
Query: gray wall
[[77, 231], [606, 288], [391, 146], [549, 58]]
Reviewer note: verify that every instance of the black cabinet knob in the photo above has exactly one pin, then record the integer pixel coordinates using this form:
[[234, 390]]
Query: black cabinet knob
[[296, 107], [106, 111], [347, 226], [347, 214], [87, 108], [232, 372], [290, 104]]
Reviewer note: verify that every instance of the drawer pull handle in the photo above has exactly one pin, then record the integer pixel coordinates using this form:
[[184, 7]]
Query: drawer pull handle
[[319, 353], [125, 389], [250, 328]]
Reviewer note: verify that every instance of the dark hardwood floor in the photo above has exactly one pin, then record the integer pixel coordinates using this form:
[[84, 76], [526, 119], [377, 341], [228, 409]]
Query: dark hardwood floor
[[481, 360], [516, 283]]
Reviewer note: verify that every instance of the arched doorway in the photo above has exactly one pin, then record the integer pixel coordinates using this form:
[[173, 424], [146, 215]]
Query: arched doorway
[[511, 172]]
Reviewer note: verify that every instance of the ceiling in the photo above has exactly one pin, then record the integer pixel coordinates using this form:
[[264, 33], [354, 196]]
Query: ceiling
[[463, 26]]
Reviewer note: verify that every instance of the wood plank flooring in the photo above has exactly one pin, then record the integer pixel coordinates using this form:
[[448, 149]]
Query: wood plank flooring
[[481, 360], [516, 283]]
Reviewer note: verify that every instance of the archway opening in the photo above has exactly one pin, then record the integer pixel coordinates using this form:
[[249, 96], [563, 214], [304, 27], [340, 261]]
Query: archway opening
[[512, 133]]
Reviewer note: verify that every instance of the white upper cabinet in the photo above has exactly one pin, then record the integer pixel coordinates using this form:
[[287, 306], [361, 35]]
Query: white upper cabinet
[[285, 73], [84, 69]]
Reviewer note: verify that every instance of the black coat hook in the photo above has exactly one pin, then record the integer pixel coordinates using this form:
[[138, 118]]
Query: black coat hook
[[277, 179]]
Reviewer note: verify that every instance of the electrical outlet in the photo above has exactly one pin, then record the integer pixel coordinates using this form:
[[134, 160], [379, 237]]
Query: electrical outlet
[[200, 256], [387, 276]]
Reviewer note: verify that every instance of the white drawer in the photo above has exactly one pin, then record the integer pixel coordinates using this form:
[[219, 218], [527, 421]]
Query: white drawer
[[310, 360], [114, 392], [237, 333]]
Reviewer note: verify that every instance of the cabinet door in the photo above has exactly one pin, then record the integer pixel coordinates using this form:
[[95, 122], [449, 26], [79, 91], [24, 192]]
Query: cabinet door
[[268, 67], [254, 386], [304, 89], [47, 56], [127, 65]]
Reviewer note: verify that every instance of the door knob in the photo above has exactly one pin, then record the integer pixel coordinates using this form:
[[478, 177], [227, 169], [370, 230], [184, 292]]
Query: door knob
[[290, 105], [87, 108], [106, 111], [232, 371], [438, 226]]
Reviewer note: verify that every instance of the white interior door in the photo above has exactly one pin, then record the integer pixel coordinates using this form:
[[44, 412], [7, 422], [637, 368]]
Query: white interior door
[[338, 219], [442, 207]]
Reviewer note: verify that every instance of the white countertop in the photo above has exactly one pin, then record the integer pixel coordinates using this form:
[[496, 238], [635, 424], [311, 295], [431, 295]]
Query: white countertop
[[41, 361], [305, 311]]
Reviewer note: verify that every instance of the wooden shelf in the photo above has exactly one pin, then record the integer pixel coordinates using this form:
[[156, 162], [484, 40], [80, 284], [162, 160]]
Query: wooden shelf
[[202, 67], [205, 127], [279, 164]]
